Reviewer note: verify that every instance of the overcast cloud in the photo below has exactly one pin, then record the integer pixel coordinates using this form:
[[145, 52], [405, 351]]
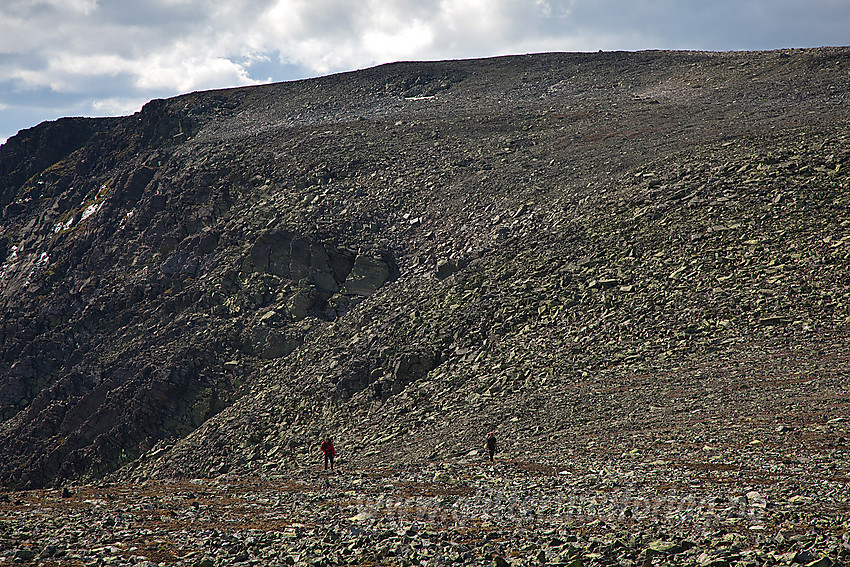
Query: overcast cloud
[[108, 57]]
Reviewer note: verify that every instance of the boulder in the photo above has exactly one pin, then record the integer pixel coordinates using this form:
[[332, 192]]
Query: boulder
[[369, 273]]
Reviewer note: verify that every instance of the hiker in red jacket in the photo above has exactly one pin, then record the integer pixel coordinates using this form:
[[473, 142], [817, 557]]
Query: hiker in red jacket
[[327, 448]]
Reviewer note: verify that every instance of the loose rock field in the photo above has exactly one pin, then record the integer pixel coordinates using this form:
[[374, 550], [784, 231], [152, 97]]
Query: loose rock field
[[465, 511]]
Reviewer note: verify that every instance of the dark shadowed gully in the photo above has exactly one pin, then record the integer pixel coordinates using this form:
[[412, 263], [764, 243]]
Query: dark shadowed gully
[[632, 267]]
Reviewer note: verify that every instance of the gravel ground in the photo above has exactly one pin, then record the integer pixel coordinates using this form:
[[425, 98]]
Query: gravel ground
[[466, 511]]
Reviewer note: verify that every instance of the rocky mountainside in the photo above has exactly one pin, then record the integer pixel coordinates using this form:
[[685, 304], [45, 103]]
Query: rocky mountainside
[[601, 256]]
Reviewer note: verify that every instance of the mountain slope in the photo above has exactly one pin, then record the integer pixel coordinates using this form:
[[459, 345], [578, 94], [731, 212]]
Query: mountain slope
[[545, 244]]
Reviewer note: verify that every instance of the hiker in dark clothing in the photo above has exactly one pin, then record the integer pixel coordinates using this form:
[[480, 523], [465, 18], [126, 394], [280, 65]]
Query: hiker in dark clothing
[[327, 448], [490, 444]]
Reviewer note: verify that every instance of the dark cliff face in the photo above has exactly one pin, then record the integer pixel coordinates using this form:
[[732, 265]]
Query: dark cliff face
[[33, 150], [232, 272]]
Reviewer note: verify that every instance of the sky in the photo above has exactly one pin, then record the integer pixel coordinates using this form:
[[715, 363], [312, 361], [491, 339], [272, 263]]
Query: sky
[[108, 57]]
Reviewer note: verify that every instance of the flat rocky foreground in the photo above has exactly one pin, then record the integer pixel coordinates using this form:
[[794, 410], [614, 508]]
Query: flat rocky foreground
[[590, 510]]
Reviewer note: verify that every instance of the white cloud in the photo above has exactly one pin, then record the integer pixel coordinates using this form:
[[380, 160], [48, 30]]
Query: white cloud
[[184, 71], [332, 35], [85, 7], [171, 46], [118, 106], [68, 72], [403, 42]]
